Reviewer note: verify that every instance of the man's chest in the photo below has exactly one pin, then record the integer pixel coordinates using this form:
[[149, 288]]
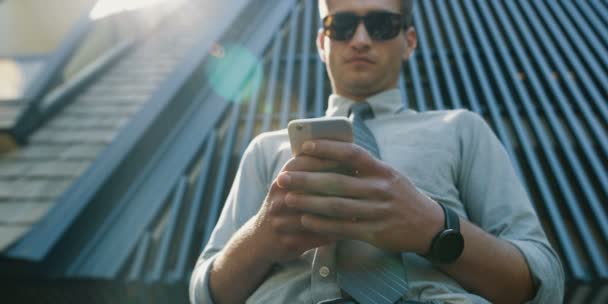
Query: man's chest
[[428, 154]]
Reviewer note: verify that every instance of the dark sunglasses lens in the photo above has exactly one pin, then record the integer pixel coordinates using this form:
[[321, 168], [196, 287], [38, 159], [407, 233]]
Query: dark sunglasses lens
[[379, 25], [383, 26], [340, 26]]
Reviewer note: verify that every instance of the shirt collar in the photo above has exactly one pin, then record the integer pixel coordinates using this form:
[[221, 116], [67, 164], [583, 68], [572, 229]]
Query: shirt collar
[[384, 103]]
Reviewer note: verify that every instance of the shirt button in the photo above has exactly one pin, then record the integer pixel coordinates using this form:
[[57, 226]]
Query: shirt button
[[324, 271]]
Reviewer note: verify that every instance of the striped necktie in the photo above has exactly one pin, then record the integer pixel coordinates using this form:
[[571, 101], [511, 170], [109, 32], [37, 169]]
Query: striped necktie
[[370, 275]]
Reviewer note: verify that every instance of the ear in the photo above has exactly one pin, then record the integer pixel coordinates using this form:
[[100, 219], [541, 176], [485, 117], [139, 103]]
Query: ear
[[321, 44], [411, 42]]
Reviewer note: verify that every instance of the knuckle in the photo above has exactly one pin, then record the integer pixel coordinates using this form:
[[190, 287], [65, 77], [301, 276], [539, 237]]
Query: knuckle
[[359, 153], [386, 170], [291, 198], [394, 177], [276, 223], [379, 188], [296, 163], [301, 162], [276, 204], [386, 186], [290, 164], [347, 154], [274, 188]]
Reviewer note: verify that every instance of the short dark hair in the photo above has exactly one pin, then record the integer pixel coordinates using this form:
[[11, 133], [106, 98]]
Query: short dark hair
[[407, 7]]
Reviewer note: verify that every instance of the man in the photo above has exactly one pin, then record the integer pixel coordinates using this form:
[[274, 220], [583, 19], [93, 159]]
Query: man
[[286, 217]]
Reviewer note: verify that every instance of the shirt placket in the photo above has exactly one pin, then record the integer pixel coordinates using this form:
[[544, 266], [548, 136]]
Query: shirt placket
[[323, 279]]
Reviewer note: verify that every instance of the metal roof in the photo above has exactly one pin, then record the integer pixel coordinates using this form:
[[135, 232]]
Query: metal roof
[[34, 176]]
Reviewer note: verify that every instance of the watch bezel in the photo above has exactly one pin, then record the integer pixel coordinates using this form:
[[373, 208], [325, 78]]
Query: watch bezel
[[448, 246]]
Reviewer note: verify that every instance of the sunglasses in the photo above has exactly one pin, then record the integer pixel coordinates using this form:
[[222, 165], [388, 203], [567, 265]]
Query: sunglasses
[[379, 25]]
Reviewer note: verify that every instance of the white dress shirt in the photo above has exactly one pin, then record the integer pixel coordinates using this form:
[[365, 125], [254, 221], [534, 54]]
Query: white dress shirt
[[451, 156]]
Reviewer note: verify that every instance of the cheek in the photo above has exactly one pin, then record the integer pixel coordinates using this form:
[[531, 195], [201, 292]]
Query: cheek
[[332, 55], [333, 62], [394, 60], [394, 49]]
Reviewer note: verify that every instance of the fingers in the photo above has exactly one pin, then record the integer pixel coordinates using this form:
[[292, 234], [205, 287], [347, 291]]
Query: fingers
[[333, 184], [310, 164], [342, 228], [293, 236], [304, 163], [345, 153], [288, 223], [336, 207]]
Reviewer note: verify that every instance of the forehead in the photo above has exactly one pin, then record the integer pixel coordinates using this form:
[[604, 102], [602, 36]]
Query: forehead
[[358, 6]]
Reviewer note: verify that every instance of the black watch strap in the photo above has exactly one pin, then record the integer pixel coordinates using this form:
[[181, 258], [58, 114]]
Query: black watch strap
[[451, 220]]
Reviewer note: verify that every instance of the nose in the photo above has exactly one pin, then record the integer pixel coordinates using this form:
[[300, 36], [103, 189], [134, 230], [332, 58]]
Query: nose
[[361, 37]]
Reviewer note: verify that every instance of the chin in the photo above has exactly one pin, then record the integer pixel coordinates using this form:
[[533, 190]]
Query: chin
[[363, 84]]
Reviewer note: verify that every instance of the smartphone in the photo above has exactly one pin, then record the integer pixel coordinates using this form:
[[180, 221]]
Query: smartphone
[[302, 130]]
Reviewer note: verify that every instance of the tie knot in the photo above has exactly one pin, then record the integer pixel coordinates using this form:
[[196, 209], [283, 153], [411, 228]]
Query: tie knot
[[362, 110]]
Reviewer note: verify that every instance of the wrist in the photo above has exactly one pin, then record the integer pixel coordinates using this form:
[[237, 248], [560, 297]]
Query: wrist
[[256, 243], [434, 224], [448, 244]]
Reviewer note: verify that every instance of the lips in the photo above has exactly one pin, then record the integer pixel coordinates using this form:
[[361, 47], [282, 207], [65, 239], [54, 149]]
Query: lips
[[356, 59]]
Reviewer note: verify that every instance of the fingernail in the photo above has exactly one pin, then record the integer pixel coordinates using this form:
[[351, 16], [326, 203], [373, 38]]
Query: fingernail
[[284, 179], [308, 146]]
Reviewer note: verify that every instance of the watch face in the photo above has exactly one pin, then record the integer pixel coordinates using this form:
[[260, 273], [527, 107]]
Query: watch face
[[450, 246]]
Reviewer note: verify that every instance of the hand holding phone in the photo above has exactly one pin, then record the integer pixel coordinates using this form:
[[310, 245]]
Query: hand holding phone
[[333, 128]]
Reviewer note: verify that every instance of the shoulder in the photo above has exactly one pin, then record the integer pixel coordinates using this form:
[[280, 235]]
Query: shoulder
[[460, 130], [269, 142], [459, 121], [269, 151], [460, 116]]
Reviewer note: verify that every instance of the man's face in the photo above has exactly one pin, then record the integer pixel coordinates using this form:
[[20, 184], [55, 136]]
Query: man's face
[[361, 67]]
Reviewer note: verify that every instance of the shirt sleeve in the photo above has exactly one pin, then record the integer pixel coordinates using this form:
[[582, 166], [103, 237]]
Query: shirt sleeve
[[244, 200], [497, 202]]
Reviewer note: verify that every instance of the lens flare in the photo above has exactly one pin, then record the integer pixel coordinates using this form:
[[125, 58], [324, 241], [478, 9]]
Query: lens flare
[[234, 72]]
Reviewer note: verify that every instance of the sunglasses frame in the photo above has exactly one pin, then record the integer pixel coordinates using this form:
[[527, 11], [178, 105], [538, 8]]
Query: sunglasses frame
[[330, 31]]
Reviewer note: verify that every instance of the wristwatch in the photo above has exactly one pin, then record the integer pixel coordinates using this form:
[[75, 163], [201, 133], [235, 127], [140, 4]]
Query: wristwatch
[[448, 244]]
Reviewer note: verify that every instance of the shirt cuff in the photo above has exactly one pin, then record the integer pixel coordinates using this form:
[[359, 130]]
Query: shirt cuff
[[546, 270], [199, 283]]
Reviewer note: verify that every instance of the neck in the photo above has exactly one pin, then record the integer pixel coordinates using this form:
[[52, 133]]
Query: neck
[[359, 96]]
